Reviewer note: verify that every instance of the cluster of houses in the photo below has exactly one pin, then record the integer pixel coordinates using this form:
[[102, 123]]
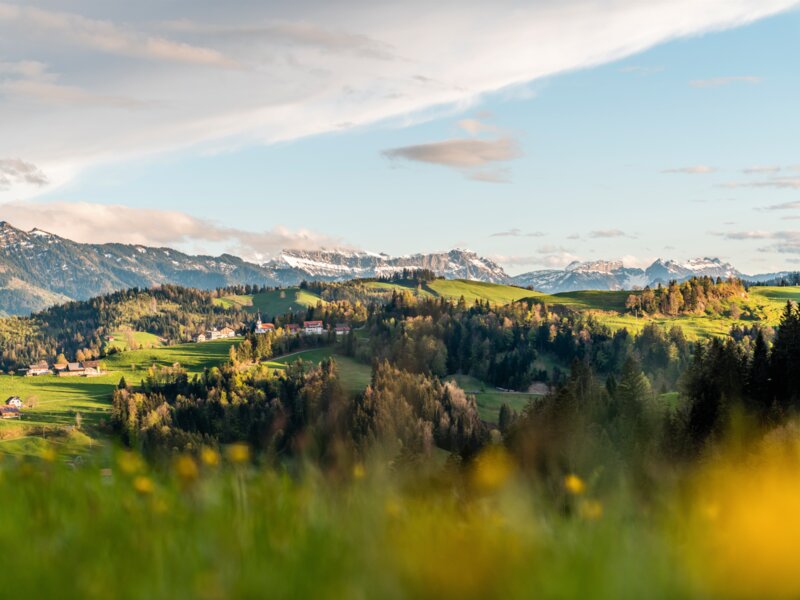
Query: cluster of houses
[[216, 334], [309, 328], [11, 409], [86, 368]]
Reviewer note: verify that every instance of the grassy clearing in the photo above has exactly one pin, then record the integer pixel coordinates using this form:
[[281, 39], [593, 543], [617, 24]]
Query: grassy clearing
[[53, 403], [273, 302], [193, 357], [477, 290], [133, 340], [355, 376], [490, 399]]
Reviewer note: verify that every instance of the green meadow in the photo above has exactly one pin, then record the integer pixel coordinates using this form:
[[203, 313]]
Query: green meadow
[[55, 406], [490, 399], [132, 340], [355, 376], [273, 302]]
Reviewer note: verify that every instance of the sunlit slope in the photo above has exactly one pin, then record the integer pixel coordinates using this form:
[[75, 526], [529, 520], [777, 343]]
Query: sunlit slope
[[273, 302], [55, 406]]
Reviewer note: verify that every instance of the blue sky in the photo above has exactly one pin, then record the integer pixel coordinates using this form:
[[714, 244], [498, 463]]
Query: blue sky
[[688, 148]]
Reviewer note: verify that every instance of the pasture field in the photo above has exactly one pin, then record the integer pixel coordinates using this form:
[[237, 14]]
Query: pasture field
[[273, 302], [495, 293], [192, 356], [489, 398], [53, 403], [133, 340], [355, 376]]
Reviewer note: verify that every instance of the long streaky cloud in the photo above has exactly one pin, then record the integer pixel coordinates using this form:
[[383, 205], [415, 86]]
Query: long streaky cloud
[[89, 222], [258, 73], [722, 81]]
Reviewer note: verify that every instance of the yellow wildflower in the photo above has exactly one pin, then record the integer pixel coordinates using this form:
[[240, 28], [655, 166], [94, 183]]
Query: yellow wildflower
[[49, 455], [744, 525], [186, 469], [209, 456], [591, 510], [143, 485], [238, 453], [574, 484], [492, 469], [358, 471], [130, 462]]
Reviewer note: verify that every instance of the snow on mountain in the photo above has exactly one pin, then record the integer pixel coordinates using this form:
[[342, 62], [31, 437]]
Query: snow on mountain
[[292, 266], [613, 275], [38, 268]]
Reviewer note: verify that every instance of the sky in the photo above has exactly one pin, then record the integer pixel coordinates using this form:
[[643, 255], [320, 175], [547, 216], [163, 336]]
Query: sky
[[534, 133]]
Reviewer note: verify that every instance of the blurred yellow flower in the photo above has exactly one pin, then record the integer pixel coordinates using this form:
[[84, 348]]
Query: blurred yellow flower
[[444, 551], [744, 525], [130, 462], [186, 468], [209, 456], [143, 485], [49, 455], [574, 484], [238, 453], [492, 469], [591, 510], [358, 471]]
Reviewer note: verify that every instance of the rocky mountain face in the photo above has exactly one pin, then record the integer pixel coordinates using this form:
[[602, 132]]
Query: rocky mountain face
[[292, 266], [38, 269], [606, 275]]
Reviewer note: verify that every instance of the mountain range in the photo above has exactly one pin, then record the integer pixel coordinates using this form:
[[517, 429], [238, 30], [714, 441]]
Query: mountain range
[[39, 269]]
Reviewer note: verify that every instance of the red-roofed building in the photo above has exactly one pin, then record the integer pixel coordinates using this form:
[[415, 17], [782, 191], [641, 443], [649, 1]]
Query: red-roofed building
[[292, 328], [342, 328]]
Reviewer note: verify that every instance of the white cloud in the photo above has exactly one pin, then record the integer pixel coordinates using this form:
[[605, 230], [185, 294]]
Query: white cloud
[[786, 242], [472, 156], [721, 81], [88, 222], [245, 72], [516, 232], [16, 171], [744, 235], [781, 183], [693, 170], [784, 206], [104, 36], [761, 169], [608, 233]]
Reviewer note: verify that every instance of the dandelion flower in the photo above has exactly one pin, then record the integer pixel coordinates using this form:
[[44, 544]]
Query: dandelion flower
[[492, 469], [238, 453], [591, 510], [143, 485], [186, 469], [209, 456], [574, 484]]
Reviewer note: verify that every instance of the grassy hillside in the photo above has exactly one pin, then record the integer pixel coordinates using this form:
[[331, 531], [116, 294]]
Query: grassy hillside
[[271, 303], [52, 403], [355, 376], [477, 290], [124, 339], [489, 398]]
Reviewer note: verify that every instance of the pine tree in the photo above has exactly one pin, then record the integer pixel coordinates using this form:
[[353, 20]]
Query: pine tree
[[759, 399]]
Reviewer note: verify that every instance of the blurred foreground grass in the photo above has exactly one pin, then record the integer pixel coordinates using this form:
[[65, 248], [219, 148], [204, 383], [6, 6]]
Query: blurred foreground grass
[[216, 526]]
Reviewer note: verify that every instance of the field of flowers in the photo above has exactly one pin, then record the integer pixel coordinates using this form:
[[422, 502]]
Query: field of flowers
[[214, 525]]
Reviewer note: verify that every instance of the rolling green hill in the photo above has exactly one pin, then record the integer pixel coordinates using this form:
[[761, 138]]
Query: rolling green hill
[[271, 303], [478, 290], [355, 376], [52, 402]]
